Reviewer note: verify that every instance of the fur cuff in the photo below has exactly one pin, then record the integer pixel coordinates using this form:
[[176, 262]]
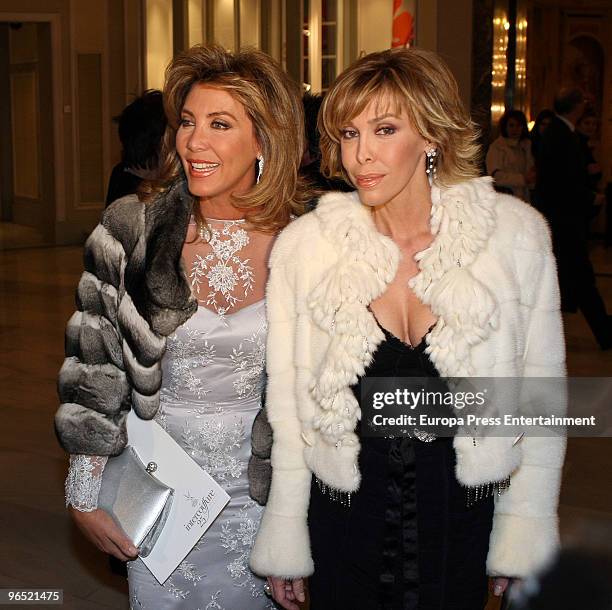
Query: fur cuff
[[282, 547], [521, 546], [335, 466]]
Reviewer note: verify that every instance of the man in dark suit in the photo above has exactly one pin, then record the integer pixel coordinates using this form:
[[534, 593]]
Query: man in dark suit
[[566, 198]]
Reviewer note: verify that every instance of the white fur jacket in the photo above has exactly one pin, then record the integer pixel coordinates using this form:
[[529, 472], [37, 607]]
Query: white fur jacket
[[490, 278]]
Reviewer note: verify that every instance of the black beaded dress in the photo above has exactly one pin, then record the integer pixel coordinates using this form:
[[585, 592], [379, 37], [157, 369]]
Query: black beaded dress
[[408, 539]]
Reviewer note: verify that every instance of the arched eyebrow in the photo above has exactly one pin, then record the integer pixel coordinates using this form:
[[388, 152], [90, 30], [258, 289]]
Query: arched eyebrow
[[212, 114], [383, 116], [222, 113]]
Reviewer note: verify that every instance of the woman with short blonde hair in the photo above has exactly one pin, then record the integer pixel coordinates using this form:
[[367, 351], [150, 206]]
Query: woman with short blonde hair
[[423, 272], [422, 86], [171, 320]]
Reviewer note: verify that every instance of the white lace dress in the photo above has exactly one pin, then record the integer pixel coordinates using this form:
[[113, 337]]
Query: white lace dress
[[213, 372]]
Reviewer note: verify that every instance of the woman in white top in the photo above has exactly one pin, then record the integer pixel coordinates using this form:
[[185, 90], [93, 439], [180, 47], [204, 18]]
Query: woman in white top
[[423, 271], [509, 159]]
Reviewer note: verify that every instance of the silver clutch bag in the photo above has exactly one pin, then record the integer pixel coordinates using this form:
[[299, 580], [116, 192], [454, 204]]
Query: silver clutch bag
[[136, 500]]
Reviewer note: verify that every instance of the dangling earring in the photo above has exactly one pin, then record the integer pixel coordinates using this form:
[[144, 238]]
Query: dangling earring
[[430, 168], [260, 166]]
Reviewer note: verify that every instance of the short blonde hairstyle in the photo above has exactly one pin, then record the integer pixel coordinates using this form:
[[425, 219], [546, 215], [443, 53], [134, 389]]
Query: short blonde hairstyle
[[272, 102], [417, 82]]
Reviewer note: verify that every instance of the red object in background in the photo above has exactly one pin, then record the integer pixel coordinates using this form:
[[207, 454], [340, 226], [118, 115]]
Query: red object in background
[[403, 25]]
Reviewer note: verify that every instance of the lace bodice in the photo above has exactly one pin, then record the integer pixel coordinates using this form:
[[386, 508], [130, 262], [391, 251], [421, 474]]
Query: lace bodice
[[217, 358], [228, 271]]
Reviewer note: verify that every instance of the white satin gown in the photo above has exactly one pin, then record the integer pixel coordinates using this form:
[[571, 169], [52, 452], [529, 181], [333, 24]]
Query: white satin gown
[[213, 375]]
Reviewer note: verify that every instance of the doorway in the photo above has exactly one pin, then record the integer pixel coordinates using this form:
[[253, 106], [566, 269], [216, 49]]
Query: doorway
[[27, 191]]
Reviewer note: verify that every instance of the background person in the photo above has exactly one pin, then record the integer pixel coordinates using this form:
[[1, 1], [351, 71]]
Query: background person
[[542, 122], [509, 158], [171, 318], [586, 130], [311, 160], [142, 124], [566, 197], [425, 270]]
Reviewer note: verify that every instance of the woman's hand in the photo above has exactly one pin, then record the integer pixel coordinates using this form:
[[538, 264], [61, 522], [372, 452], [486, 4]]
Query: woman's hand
[[100, 529], [286, 592]]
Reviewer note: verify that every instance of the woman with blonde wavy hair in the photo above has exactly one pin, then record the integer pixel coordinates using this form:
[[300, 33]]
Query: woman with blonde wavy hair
[[171, 313], [423, 271]]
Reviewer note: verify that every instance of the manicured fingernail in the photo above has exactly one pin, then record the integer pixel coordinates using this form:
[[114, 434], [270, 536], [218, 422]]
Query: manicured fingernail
[[301, 597], [132, 550], [497, 590]]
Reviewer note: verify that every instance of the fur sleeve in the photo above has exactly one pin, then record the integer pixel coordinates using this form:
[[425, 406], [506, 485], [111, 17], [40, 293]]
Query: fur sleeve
[[525, 529], [93, 387], [282, 546]]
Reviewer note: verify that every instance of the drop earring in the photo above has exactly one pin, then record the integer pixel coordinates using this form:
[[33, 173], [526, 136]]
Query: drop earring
[[260, 166], [430, 166]]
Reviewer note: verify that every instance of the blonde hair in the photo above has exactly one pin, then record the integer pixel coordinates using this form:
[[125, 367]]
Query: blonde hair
[[415, 81], [272, 102]]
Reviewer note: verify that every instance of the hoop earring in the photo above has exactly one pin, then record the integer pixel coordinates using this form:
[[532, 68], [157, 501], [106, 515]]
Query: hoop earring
[[260, 166], [430, 168]]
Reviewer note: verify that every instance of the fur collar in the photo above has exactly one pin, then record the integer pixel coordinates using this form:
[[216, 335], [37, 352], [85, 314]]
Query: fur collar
[[367, 263], [462, 220]]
